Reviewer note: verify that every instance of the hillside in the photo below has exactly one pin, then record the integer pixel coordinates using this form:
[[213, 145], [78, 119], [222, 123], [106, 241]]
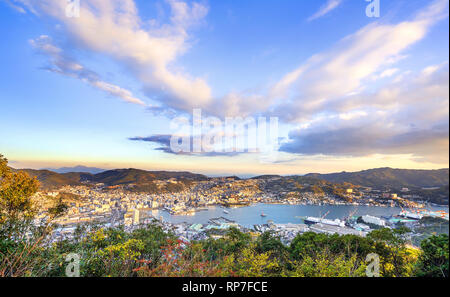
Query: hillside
[[376, 178], [51, 180], [137, 176], [79, 168], [394, 178]]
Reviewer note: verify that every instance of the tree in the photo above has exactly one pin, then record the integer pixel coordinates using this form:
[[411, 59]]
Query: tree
[[390, 245], [250, 263], [308, 243], [433, 262], [16, 189], [268, 242], [21, 241], [327, 264]]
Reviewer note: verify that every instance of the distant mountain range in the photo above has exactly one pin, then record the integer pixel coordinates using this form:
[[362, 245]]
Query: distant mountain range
[[389, 177], [51, 180], [377, 178], [78, 168]]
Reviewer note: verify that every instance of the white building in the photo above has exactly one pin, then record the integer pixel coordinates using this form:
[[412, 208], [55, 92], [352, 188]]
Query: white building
[[137, 217], [373, 220]]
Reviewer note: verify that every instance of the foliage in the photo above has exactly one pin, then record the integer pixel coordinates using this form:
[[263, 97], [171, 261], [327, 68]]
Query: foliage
[[394, 255], [433, 261], [16, 188], [28, 249], [326, 264]]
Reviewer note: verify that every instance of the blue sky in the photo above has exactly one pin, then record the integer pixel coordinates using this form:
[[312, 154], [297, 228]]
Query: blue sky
[[350, 92]]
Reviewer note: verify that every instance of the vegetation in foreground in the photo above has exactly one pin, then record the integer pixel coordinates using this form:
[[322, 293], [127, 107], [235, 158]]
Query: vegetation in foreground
[[26, 250]]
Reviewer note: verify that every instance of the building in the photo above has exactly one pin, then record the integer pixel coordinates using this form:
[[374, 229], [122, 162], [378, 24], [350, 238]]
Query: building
[[373, 220], [136, 217]]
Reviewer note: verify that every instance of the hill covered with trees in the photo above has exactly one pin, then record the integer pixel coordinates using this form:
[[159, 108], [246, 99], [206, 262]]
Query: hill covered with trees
[[137, 177], [388, 177]]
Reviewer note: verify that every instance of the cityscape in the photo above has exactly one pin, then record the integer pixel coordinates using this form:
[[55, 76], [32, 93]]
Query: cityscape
[[122, 205], [254, 144]]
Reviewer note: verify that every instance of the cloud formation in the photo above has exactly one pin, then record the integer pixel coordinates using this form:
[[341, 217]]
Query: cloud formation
[[409, 116], [62, 64], [163, 140], [147, 50], [325, 9], [330, 77]]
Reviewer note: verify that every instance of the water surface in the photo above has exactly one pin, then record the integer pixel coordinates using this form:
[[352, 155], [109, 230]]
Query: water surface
[[281, 214]]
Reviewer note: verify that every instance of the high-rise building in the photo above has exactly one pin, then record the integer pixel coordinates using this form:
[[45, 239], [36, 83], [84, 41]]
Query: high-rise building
[[136, 218]]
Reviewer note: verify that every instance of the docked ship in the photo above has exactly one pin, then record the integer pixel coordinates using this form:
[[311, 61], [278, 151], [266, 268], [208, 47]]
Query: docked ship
[[411, 214], [315, 220], [419, 214]]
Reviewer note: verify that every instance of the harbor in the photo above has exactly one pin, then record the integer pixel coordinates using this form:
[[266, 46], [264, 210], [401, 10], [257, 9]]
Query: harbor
[[284, 214]]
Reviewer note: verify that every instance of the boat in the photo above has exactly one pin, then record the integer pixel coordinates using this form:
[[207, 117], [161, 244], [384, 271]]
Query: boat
[[263, 214], [411, 215], [315, 220], [435, 214], [226, 211]]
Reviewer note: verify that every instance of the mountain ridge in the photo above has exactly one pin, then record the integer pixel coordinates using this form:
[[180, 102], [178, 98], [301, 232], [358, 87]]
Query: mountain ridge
[[392, 177], [50, 179], [78, 168], [377, 177]]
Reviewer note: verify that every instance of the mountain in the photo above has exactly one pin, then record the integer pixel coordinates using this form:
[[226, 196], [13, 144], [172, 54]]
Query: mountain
[[376, 178], [78, 168], [137, 176], [52, 180], [395, 178]]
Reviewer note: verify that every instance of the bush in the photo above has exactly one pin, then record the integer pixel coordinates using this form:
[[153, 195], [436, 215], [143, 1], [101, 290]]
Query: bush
[[433, 261]]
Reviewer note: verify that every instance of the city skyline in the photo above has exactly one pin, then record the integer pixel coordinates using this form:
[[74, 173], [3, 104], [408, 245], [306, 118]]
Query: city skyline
[[101, 88]]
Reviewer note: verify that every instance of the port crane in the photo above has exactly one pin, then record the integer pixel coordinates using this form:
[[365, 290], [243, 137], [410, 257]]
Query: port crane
[[323, 217], [351, 214]]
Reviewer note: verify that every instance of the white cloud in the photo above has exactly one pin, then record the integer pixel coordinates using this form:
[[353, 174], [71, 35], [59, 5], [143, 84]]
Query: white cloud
[[345, 68], [62, 64], [333, 76], [387, 73], [114, 28], [407, 117], [325, 9], [14, 6]]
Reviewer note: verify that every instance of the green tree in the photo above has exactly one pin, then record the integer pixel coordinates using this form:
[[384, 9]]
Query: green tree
[[267, 242], [16, 189], [22, 242], [433, 261], [308, 243], [327, 264], [390, 245]]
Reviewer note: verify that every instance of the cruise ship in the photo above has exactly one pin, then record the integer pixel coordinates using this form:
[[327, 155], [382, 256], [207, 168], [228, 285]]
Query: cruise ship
[[411, 215], [436, 214], [419, 214], [315, 220]]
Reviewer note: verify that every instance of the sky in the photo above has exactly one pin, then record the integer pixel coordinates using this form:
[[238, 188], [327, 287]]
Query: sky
[[107, 83]]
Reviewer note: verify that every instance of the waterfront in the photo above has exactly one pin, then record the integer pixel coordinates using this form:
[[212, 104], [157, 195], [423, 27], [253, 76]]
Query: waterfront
[[281, 214]]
